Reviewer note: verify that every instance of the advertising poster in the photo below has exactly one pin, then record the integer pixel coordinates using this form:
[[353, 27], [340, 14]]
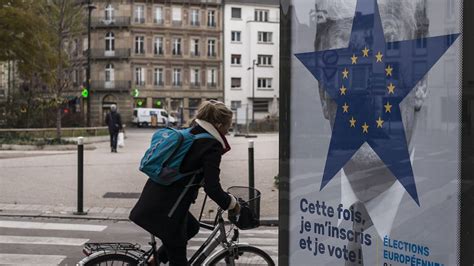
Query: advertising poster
[[375, 132]]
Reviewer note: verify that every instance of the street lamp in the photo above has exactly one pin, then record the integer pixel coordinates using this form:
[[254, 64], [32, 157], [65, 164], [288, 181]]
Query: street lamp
[[90, 7], [253, 87]]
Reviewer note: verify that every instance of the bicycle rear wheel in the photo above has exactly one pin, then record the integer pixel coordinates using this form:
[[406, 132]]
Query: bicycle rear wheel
[[111, 259], [247, 255]]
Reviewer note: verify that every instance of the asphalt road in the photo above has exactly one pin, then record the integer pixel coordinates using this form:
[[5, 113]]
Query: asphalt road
[[27, 241]]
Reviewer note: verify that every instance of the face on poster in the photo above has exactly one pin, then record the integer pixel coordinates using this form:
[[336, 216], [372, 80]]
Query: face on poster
[[375, 132]]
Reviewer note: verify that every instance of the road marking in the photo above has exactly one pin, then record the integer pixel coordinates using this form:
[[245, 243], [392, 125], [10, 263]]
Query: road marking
[[52, 226], [26, 259], [37, 240]]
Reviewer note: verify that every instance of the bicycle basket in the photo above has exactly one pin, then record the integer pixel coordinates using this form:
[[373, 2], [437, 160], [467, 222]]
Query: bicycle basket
[[249, 200]]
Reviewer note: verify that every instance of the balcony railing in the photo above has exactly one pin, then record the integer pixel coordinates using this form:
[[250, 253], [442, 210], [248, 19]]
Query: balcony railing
[[195, 23], [158, 52], [116, 85], [212, 85], [103, 54], [195, 84], [211, 55], [159, 83], [211, 24], [139, 82], [176, 53], [195, 54], [139, 20], [177, 23], [177, 83], [158, 21], [139, 52], [102, 22]]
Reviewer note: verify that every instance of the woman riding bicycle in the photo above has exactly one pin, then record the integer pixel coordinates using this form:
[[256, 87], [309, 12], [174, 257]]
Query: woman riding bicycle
[[152, 209]]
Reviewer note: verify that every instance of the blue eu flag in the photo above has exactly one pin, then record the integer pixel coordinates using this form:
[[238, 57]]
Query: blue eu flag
[[368, 80]]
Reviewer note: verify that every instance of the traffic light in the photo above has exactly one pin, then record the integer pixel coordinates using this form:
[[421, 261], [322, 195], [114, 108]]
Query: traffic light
[[135, 93], [158, 103], [139, 103], [85, 92]]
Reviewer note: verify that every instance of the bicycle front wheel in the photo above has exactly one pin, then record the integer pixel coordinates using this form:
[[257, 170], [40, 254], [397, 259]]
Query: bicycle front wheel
[[243, 255], [111, 259]]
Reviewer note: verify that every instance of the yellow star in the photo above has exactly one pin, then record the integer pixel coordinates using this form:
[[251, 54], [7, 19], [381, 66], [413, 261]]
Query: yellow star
[[391, 88], [379, 56], [365, 128], [354, 59], [345, 108], [379, 122], [353, 122], [388, 108], [365, 52], [389, 70], [345, 73], [343, 90]]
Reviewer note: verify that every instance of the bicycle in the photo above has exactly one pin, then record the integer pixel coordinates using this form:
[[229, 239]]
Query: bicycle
[[232, 252]]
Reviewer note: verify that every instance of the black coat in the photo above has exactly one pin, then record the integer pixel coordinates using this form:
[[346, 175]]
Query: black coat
[[114, 122], [151, 210]]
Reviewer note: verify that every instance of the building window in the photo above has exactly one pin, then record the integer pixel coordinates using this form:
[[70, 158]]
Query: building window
[[195, 17], [421, 43], [139, 76], [264, 60], [261, 15], [195, 77], [2, 93], [235, 59], [176, 15], [177, 77], [158, 15], [159, 78], [109, 42], [84, 44], [235, 36], [211, 77], [139, 14], [237, 12], [211, 18], [211, 48], [139, 44], [193, 106], [195, 47], [264, 37], [234, 105], [109, 73], [109, 13], [260, 106], [158, 46], [264, 83], [236, 83], [450, 8], [177, 46]]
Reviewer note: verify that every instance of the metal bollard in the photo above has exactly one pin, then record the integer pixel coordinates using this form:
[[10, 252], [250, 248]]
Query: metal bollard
[[251, 169], [80, 177]]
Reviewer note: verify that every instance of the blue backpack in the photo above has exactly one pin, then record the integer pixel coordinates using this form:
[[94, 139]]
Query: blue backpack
[[163, 159]]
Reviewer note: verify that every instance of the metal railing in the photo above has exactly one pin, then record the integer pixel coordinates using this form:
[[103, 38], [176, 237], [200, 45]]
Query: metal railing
[[139, 20], [103, 54], [158, 21], [195, 54], [116, 85], [159, 83], [102, 22], [177, 23], [195, 23]]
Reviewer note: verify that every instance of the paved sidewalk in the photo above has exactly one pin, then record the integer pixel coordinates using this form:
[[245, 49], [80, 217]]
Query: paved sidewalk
[[113, 182], [92, 213]]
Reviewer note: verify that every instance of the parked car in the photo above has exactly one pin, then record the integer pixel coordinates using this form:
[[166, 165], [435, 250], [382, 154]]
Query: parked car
[[145, 117]]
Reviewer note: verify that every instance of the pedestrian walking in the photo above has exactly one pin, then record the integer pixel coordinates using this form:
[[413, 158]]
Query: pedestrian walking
[[114, 122]]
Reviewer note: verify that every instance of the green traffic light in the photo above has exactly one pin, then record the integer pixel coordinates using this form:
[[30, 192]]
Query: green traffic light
[[136, 93], [85, 92], [139, 103], [158, 103]]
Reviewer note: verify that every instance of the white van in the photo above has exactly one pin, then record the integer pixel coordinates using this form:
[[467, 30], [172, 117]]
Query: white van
[[143, 117]]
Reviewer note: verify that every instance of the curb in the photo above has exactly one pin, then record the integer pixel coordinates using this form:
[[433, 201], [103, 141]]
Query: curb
[[265, 221]]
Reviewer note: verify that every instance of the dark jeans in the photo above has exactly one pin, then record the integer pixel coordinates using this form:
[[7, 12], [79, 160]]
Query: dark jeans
[[176, 254], [113, 139]]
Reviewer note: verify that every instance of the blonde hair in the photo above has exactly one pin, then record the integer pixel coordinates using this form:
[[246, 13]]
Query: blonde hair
[[214, 112]]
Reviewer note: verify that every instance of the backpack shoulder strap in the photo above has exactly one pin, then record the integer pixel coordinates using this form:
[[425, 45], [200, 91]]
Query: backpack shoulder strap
[[204, 136]]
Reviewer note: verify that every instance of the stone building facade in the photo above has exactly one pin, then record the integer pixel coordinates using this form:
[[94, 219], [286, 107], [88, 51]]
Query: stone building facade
[[155, 54]]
